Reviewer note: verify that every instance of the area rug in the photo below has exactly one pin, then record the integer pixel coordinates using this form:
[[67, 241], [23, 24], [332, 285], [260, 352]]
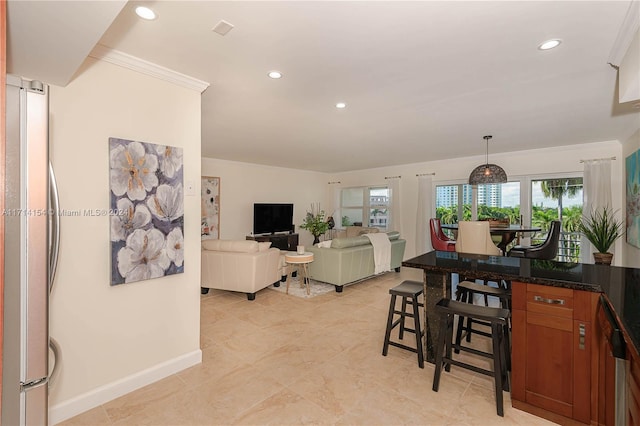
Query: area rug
[[316, 288]]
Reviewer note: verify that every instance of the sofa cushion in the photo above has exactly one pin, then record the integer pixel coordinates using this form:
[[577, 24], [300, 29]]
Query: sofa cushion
[[354, 231], [238, 246], [350, 242], [264, 245], [360, 240]]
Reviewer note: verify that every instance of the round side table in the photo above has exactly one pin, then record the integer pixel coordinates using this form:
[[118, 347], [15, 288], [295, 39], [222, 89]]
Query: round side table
[[302, 262]]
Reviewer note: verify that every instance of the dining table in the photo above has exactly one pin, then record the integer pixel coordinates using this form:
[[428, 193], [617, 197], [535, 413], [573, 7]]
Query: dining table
[[507, 233]]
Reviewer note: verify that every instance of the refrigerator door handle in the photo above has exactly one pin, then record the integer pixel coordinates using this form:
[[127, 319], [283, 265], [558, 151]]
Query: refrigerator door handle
[[54, 346], [33, 384], [54, 226]]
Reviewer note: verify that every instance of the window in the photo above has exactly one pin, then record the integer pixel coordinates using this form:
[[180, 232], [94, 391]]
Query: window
[[365, 206], [498, 201], [449, 203], [493, 201], [558, 198], [537, 201]]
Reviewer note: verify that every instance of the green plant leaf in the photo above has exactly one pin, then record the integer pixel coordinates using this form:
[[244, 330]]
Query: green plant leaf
[[601, 228]]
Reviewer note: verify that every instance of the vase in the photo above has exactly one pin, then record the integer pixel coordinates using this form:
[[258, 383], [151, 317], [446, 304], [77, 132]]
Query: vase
[[603, 258], [316, 239], [331, 222]]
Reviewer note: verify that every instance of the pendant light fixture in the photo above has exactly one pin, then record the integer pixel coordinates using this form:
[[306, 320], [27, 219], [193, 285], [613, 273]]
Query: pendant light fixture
[[487, 173]]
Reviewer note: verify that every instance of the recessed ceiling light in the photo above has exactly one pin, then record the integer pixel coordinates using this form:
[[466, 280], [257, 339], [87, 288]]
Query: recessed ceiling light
[[223, 27], [145, 13], [275, 74], [549, 44], [341, 105]]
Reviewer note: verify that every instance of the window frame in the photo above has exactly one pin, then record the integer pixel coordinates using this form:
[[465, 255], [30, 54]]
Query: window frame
[[366, 204]]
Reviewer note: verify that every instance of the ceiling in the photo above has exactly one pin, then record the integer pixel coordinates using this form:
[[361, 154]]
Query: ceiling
[[422, 80]]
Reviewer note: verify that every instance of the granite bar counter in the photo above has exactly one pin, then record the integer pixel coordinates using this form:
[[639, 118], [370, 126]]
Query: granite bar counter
[[621, 286]]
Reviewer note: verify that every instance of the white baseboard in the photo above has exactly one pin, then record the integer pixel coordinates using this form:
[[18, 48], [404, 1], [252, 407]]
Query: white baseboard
[[103, 394]]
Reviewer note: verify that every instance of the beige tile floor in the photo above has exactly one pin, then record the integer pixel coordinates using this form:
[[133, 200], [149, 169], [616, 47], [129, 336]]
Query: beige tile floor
[[283, 360]]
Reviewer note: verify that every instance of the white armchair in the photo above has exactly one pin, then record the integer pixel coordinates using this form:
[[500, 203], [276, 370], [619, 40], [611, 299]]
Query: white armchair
[[239, 265]]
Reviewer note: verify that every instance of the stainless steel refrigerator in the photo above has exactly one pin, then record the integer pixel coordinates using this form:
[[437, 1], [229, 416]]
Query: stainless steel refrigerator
[[28, 256]]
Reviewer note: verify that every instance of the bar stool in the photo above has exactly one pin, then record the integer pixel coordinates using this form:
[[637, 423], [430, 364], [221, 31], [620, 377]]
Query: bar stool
[[465, 293], [409, 291], [497, 317]]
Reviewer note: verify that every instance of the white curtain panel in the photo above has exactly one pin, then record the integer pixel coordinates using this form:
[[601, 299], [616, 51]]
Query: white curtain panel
[[333, 196], [596, 195], [337, 216], [425, 206], [395, 221]]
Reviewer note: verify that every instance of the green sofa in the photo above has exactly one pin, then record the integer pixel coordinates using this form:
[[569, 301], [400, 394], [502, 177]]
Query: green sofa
[[351, 259]]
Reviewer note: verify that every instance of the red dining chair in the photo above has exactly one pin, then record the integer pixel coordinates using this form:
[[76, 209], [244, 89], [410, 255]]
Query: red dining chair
[[439, 241]]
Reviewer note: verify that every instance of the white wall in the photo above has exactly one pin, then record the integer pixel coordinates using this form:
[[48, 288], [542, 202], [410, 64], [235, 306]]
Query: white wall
[[115, 339], [533, 162], [631, 253], [629, 72], [242, 184]]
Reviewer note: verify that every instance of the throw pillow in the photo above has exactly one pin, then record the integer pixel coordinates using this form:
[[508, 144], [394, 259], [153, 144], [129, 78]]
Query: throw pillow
[[349, 242], [324, 244], [369, 231]]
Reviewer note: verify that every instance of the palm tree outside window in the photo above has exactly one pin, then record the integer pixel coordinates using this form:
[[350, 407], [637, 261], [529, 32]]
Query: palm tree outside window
[[558, 198]]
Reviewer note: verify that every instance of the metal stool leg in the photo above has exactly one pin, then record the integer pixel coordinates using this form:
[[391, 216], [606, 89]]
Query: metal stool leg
[[418, 332], [387, 334], [440, 349], [449, 341], [496, 330], [463, 296], [402, 317]]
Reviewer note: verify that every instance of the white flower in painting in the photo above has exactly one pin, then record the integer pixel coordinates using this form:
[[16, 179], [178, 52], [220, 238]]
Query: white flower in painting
[[167, 203], [129, 220], [133, 171], [170, 160], [175, 246], [144, 256]]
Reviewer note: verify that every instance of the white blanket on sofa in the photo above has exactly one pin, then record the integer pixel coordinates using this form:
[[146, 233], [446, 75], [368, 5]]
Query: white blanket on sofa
[[381, 252]]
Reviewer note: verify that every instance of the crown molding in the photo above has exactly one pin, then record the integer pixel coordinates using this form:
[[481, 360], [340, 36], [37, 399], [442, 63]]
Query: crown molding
[[628, 30], [122, 59]]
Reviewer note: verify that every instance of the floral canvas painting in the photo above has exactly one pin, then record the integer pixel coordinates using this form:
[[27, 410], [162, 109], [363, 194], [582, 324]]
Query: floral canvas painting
[[210, 224], [633, 198], [147, 211]]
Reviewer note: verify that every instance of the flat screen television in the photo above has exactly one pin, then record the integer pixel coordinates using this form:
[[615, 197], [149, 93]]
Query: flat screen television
[[269, 218]]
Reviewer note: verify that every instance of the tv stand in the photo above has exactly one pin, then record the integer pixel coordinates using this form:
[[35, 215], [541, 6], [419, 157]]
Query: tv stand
[[286, 242]]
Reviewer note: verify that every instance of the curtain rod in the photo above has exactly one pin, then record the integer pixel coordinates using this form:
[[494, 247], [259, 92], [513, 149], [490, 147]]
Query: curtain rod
[[596, 159], [331, 183], [392, 177], [425, 174]]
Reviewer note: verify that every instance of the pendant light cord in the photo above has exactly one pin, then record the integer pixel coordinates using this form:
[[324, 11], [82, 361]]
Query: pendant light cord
[[486, 138]]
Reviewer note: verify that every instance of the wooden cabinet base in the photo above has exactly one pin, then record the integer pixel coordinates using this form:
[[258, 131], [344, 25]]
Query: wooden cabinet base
[[554, 359], [548, 415]]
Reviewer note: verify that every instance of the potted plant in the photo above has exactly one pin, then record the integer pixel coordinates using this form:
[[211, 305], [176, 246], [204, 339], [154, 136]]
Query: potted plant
[[602, 229], [315, 222]]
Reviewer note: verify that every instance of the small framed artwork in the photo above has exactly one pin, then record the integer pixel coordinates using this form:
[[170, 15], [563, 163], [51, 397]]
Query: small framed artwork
[[210, 224]]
